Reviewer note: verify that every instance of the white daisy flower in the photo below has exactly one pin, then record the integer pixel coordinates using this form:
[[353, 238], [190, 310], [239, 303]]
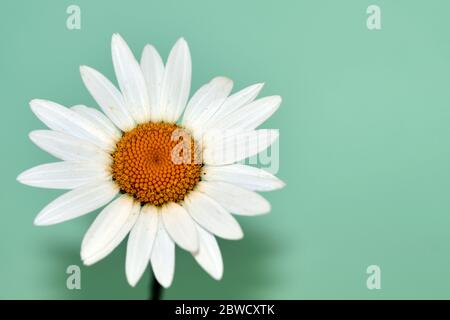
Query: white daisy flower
[[125, 158]]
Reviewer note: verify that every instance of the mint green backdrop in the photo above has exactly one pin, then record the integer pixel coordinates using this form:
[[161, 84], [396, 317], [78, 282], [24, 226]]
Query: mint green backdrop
[[365, 143]]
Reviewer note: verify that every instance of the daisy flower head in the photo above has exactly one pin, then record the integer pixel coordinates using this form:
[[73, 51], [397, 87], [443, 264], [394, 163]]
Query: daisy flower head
[[165, 168]]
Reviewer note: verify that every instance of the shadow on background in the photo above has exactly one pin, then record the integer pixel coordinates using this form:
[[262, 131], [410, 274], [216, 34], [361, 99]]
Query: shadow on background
[[246, 271]]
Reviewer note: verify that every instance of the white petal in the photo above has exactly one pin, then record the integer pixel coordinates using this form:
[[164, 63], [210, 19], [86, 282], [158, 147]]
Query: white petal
[[77, 202], [98, 119], [63, 175], [176, 82], [99, 255], [235, 199], [131, 80], [208, 256], [212, 216], [199, 98], [62, 119], [66, 147], [109, 229], [242, 175], [108, 98], [226, 147], [140, 244], [234, 102], [180, 226], [163, 256], [250, 116], [206, 101], [153, 70]]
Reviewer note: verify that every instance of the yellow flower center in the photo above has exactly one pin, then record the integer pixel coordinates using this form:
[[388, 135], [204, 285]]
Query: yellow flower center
[[156, 163]]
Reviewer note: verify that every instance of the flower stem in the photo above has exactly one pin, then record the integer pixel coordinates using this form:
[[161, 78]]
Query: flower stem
[[155, 289]]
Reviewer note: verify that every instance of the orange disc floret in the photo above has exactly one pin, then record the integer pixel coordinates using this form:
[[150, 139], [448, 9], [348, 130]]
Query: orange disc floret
[[156, 163]]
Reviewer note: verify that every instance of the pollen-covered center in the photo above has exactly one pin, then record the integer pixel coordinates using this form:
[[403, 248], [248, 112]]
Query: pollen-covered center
[[156, 163]]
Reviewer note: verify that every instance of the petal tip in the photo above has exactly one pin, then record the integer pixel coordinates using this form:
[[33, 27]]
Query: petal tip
[[148, 46], [279, 99], [87, 263], [116, 39], [19, 178], [34, 135], [132, 281], [84, 256], [223, 80], [83, 69], [239, 235], [39, 221], [34, 102], [183, 43], [166, 285], [266, 211], [217, 276], [194, 248]]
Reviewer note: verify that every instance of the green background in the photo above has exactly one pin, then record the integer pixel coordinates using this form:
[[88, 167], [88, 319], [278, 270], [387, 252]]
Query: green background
[[364, 142]]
